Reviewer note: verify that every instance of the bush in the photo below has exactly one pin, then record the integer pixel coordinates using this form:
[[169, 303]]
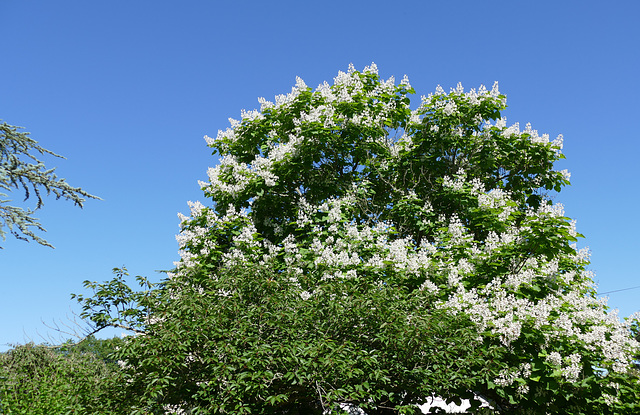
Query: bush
[[36, 379]]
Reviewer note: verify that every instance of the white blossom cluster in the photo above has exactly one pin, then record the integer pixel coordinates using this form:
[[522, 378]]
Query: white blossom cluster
[[231, 176], [350, 251]]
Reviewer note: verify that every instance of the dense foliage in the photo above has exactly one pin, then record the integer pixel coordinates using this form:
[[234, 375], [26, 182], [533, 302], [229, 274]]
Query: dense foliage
[[71, 379], [20, 169], [360, 253]]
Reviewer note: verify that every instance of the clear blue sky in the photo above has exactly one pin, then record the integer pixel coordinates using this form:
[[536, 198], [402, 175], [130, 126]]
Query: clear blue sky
[[126, 90]]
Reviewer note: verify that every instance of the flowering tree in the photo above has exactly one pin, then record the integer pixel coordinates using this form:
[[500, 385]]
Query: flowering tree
[[360, 253]]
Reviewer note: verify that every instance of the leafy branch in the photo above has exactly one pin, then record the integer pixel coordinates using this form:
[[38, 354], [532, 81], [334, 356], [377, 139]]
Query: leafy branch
[[20, 169], [115, 304]]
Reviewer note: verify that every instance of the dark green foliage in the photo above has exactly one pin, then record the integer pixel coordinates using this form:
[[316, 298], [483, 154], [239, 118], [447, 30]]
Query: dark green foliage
[[261, 349]]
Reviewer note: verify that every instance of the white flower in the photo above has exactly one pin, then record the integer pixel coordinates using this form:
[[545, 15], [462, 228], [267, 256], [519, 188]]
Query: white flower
[[305, 295], [373, 68], [554, 358], [572, 371], [264, 104], [558, 142], [251, 115], [450, 108], [494, 91], [610, 399]]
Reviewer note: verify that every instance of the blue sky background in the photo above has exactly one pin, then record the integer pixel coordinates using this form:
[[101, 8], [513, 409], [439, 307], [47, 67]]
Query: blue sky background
[[126, 90]]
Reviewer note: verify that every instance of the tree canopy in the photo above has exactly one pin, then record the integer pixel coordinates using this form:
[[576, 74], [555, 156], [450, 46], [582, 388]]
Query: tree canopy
[[361, 253], [20, 169]]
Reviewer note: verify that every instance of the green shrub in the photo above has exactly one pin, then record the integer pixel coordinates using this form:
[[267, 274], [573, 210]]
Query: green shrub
[[36, 379]]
